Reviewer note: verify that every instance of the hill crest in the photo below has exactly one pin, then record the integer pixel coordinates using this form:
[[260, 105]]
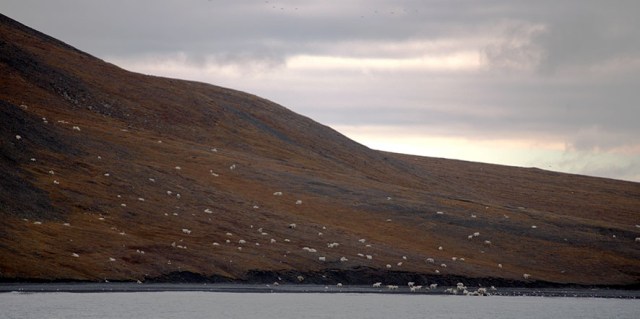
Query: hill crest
[[109, 174]]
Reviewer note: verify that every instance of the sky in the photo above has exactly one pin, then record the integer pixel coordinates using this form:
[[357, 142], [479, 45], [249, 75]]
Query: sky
[[547, 84]]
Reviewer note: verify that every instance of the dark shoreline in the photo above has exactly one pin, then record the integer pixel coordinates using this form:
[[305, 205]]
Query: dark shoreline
[[355, 280], [128, 287], [359, 276]]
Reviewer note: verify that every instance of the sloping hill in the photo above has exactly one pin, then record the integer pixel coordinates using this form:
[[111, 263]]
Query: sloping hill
[[108, 174]]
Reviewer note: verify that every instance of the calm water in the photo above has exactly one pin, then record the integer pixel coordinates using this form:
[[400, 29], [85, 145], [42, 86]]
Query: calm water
[[194, 305]]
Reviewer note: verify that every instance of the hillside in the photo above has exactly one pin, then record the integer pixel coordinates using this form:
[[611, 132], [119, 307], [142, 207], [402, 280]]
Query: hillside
[[109, 174]]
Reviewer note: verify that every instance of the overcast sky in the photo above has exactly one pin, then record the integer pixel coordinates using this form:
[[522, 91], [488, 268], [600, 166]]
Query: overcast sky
[[548, 84]]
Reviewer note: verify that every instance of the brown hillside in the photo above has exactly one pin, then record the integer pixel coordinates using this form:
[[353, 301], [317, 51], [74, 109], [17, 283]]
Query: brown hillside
[[124, 176]]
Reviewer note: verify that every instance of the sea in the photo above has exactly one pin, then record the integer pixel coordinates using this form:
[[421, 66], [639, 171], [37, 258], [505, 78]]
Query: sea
[[206, 304]]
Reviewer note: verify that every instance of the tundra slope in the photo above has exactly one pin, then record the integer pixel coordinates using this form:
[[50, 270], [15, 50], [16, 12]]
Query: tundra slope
[[109, 174]]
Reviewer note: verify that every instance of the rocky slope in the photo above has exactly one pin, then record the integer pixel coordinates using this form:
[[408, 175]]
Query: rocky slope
[[109, 174]]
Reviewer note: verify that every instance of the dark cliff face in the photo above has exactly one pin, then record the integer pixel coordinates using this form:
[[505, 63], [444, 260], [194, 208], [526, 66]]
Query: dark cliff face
[[124, 176]]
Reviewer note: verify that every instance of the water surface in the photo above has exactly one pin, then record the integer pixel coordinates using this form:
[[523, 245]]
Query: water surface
[[197, 304]]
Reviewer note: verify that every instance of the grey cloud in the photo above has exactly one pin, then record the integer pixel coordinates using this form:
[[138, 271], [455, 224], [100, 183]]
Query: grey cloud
[[492, 106], [122, 27], [576, 34], [592, 34], [576, 27], [517, 49]]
